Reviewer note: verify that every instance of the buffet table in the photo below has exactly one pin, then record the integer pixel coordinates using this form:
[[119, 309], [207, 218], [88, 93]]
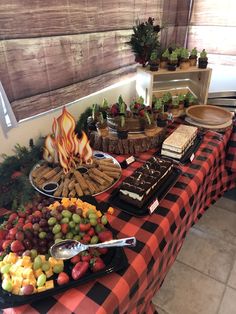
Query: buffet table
[[159, 236]]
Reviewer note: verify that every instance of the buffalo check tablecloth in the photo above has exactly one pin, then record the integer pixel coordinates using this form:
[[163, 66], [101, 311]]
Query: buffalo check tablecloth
[[159, 236]]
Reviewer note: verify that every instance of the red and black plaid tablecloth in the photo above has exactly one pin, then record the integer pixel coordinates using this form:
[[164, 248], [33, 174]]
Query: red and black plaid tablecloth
[[159, 238]]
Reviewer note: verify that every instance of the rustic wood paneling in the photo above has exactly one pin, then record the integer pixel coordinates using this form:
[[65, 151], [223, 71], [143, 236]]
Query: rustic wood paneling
[[40, 103], [43, 64]]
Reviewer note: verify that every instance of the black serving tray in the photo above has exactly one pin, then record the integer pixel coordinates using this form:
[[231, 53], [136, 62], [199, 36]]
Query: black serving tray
[[114, 260], [188, 154], [130, 209]]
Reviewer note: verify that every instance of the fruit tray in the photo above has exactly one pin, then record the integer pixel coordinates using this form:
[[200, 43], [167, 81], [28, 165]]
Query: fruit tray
[[152, 204], [115, 259]]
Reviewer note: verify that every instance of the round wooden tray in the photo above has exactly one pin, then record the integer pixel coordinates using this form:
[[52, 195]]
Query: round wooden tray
[[218, 127], [135, 143], [209, 115]]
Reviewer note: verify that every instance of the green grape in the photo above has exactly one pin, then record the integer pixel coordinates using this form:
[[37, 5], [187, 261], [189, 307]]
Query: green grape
[[52, 221], [93, 222], [90, 211], [69, 235], [72, 224], [66, 213], [7, 285], [56, 229], [76, 218], [46, 266], [42, 235], [5, 269], [58, 268], [58, 236], [58, 240], [65, 220], [41, 280], [94, 240], [77, 237], [104, 220], [37, 263], [92, 216], [98, 228], [77, 229], [33, 253]]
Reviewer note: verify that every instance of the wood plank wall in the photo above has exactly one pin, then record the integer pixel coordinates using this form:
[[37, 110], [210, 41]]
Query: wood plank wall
[[54, 52]]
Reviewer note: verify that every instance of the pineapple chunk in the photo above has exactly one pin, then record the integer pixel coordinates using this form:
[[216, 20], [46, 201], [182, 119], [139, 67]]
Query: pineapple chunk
[[49, 273], [12, 258], [26, 261], [41, 289], [27, 272], [49, 284], [38, 272]]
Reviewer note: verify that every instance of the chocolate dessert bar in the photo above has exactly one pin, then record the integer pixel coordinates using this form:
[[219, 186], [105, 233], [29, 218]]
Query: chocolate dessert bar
[[145, 181]]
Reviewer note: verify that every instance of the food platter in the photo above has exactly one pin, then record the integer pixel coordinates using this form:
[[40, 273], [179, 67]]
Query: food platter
[[98, 157], [209, 115]]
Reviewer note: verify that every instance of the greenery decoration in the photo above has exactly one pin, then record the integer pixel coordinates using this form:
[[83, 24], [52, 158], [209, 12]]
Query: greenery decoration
[[82, 123], [144, 40], [15, 188]]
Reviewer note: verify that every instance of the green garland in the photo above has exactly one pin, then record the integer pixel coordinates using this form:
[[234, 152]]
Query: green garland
[[15, 188]]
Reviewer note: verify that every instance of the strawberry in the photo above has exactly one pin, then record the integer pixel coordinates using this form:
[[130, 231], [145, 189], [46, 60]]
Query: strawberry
[[64, 228], [16, 174], [13, 231], [20, 236], [37, 213], [17, 246], [85, 257], [86, 238], [62, 278], [2, 234], [28, 225], [6, 244], [105, 236], [75, 259], [12, 217], [142, 112], [103, 250], [97, 264], [79, 270], [91, 232]]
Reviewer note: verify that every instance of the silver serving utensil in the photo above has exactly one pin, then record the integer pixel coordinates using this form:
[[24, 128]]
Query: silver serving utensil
[[66, 249]]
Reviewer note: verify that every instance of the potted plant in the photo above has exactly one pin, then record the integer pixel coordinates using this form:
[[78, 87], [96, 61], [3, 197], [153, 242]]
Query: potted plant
[[181, 99], [164, 59], [150, 125], [190, 100], [184, 60], [144, 40], [157, 107], [193, 57], [162, 118], [175, 106], [203, 60], [154, 61], [173, 61], [93, 118], [178, 52], [167, 100], [122, 129], [102, 127]]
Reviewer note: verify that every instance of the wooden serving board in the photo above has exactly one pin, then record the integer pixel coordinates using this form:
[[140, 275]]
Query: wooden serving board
[[135, 143]]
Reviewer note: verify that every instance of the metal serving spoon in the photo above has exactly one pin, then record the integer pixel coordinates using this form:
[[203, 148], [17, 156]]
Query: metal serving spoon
[[68, 248]]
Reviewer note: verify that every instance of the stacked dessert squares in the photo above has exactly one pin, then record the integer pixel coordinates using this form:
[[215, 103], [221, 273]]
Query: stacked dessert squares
[[179, 141]]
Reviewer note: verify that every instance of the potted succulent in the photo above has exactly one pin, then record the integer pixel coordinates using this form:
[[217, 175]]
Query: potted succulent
[[190, 100], [175, 106], [184, 60], [164, 59], [203, 60], [193, 57], [157, 107], [167, 100], [144, 40], [154, 61], [101, 125], [162, 118], [173, 61], [181, 99], [122, 128], [150, 125], [178, 52]]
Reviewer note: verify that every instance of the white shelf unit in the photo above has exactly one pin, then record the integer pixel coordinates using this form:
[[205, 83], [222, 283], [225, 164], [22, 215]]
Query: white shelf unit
[[157, 83]]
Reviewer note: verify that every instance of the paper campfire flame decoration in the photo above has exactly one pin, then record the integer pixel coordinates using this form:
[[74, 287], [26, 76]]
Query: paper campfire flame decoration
[[64, 145]]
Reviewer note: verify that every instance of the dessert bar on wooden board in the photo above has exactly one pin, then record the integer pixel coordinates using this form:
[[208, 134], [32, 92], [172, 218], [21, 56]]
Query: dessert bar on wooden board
[[179, 141], [140, 186]]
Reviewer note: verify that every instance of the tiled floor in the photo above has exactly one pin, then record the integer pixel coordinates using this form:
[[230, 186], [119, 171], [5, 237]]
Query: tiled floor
[[203, 278]]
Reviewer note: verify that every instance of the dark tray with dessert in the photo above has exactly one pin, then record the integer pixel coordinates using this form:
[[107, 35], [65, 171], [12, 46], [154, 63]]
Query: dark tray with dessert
[[140, 194], [189, 153]]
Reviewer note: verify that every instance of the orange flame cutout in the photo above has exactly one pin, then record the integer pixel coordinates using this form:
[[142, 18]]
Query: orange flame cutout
[[65, 145]]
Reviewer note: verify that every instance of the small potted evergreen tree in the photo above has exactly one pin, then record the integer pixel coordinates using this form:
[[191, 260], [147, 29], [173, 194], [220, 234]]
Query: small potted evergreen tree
[[154, 61], [181, 99], [157, 107], [193, 57], [164, 59], [184, 60], [150, 125], [172, 62], [203, 60], [122, 129], [167, 100]]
